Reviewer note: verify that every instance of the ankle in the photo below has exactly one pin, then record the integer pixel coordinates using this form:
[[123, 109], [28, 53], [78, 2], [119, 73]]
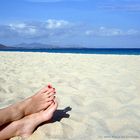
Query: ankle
[[26, 126], [23, 107], [20, 128], [16, 112]]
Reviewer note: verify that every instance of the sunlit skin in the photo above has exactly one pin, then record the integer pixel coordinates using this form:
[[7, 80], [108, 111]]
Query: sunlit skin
[[25, 127], [31, 110]]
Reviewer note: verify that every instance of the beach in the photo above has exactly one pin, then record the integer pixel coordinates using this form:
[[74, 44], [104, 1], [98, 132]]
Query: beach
[[98, 95]]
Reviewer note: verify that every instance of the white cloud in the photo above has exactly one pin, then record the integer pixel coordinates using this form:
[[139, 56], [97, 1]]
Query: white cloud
[[132, 32], [108, 32], [39, 28], [55, 24], [52, 28], [22, 28], [49, 28]]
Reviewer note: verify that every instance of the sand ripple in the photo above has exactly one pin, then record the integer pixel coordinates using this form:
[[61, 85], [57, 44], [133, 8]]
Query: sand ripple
[[102, 91]]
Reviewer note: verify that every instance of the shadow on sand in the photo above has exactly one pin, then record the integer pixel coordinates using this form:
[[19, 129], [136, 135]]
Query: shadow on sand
[[60, 114]]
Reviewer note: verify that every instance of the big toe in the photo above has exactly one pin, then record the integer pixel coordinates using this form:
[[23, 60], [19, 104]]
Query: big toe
[[48, 113], [53, 106], [45, 89]]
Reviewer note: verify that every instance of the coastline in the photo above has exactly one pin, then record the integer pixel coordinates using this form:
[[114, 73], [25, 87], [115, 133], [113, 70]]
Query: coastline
[[101, 92], [114, 51]]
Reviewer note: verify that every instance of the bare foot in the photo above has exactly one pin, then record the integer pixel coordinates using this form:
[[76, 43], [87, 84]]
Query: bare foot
[[40, 101], [27, 125]]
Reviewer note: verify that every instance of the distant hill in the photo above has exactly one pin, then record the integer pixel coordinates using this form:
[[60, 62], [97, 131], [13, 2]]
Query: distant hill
[[44, 46], [32, 46], [35, 46], [2, 46]]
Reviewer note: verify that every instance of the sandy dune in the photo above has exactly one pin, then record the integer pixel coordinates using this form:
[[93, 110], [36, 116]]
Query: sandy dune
[[99, 95]]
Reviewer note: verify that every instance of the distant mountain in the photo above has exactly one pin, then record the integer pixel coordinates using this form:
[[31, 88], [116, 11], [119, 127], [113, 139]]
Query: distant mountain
[[35, 46], [2, 46], [44, 46]]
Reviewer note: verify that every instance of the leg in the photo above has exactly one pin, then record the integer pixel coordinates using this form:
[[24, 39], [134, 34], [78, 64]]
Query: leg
[[27, 125], [41, 100]]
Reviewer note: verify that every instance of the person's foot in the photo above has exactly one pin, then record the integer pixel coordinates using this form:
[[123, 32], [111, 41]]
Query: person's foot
[[40, 101], [27, 125]]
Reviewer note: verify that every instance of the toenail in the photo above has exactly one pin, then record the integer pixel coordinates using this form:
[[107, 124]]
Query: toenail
[[49, 86]]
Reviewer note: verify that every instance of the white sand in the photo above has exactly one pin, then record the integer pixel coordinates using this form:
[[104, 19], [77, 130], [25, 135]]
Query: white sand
[[102, 90]]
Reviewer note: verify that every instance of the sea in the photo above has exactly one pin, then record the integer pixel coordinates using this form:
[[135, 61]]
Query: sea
[[115, 51]]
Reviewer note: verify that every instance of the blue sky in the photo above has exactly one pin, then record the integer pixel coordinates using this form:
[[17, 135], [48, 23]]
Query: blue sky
[[88, 23]]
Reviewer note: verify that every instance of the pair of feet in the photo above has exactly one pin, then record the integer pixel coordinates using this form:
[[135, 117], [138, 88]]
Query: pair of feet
[[28, 114]]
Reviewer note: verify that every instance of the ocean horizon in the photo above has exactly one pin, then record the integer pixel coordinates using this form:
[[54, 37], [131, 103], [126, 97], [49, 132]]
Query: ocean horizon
[[117, 51]]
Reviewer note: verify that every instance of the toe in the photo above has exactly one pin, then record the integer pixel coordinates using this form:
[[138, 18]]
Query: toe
[[49, 86], [46, 88], [47, 104], [51, 94], [49, 91], [50, 106], [53, 106], [51, 98], [48, 113]]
